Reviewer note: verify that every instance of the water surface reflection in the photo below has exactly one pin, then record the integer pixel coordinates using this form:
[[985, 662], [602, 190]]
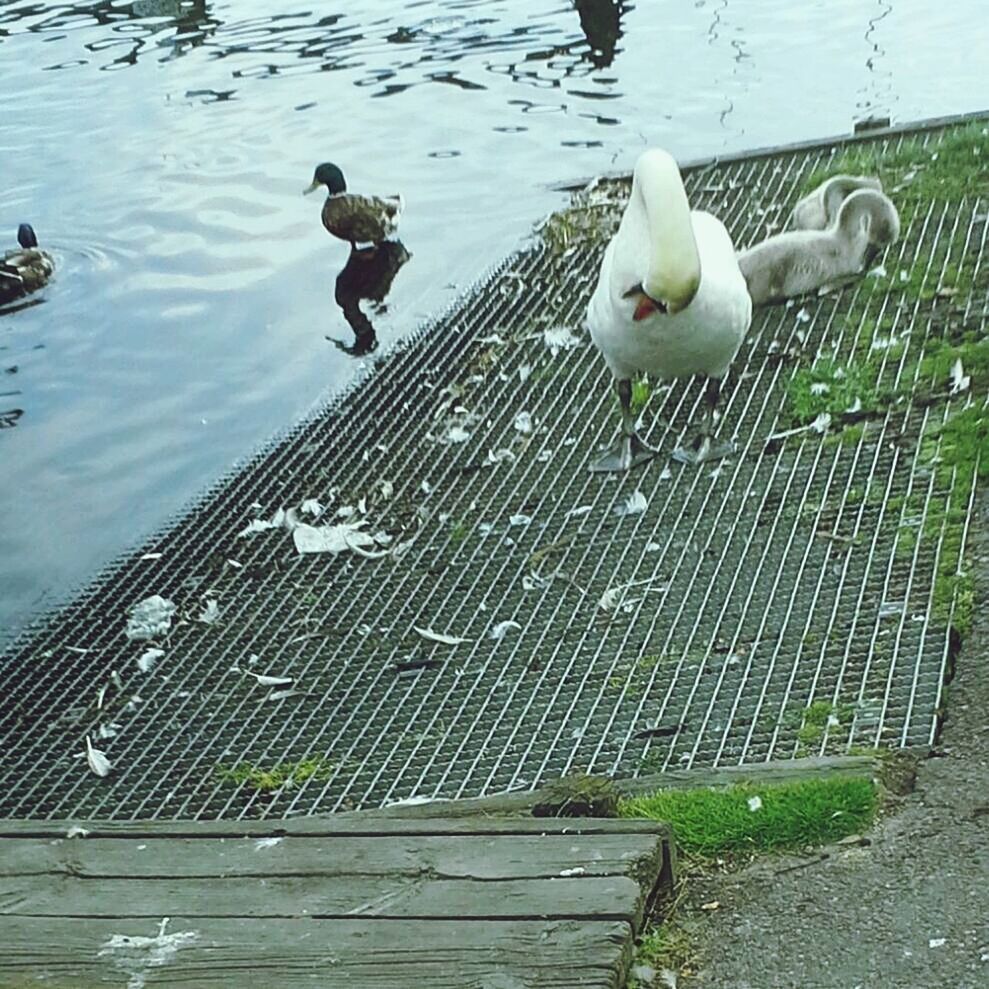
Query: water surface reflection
[[367, 276]]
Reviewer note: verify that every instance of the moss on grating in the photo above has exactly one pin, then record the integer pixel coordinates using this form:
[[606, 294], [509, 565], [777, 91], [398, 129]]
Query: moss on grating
[[277, 776], [915, 173], [834, 388], [793, 815]]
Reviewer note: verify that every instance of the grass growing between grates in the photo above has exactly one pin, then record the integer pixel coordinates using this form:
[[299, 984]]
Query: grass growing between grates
[[760, 818]]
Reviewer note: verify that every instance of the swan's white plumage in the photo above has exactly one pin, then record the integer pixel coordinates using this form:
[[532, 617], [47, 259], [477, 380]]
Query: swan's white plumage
[[702, 338]]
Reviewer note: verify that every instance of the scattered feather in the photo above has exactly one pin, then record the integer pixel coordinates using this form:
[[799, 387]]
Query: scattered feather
[[577, 870], [519, 519], [98, 762], [820, 388], [544, 456], [109, 730], [533, 582], [426, 487], [755, 803], [937, 942], [446, 640], [150, 618], [100, 697], [820, 425], [523, 422], [152, 556], [653, 547], [493, 338], [856, 406], [280, 695], [615, 596], [634, 504], [147, 660], [260, 843], [384, 488], [457, 434], [498, 456], [524, 371], [115, 678], [878, 272], [311, 507], [503, 628], [333, 538], [76, 832], [959, 379], [577, 512], [264, 680], [210, 613], [559, 338], [803, 316]]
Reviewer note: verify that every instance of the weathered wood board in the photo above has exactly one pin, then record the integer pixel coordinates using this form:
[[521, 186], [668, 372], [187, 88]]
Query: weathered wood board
[[327, 902]]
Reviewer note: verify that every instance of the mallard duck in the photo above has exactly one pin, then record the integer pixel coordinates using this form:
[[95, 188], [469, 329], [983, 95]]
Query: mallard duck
[[818, 209], [670, 301], [26, 268], [802, 261], [356, 219]]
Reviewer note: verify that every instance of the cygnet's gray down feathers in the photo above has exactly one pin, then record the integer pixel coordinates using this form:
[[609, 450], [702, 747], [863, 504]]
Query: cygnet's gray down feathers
[[818, 209], [801, 261]]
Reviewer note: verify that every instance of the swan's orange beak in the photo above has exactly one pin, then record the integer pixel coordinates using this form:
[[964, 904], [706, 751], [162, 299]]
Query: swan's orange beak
[[644, 307]]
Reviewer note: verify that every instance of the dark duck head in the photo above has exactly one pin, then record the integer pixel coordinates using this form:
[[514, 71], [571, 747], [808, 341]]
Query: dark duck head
[[26, 237], [329, 175]]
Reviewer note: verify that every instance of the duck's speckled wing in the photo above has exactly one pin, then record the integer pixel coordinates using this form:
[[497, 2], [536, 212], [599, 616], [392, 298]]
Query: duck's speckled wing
[[24, 270], [362, 219]]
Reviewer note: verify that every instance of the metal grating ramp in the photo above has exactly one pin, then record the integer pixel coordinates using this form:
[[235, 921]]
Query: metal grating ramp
[[793, 600]]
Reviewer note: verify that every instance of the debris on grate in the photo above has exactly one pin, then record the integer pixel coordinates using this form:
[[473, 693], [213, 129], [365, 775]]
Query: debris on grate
[[450, 604]]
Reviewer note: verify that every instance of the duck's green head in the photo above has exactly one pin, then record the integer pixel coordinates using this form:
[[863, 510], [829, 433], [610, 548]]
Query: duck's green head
[[26, 236], [329, 175]]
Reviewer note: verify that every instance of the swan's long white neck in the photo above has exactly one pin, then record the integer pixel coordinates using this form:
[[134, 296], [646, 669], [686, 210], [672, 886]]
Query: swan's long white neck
[[674, 271]]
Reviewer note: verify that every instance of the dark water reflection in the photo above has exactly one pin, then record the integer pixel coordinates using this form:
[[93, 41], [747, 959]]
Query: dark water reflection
[[157, 147], [367, 276]]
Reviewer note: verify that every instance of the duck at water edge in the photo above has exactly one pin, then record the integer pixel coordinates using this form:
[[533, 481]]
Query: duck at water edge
[[670, 301], [353, 218]]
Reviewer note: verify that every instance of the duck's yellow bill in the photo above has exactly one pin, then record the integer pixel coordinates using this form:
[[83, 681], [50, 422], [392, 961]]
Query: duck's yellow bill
[[312, 188]]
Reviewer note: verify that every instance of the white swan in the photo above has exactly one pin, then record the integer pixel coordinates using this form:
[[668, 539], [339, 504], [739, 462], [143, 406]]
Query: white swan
[[670, 301], [818, 209], [802, 261]]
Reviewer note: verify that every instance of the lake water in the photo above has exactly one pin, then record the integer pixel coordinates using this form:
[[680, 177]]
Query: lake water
[[159, 147]]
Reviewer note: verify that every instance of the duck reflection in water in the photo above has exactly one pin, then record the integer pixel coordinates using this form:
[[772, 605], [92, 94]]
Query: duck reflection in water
[[368, 274], [601, 22]]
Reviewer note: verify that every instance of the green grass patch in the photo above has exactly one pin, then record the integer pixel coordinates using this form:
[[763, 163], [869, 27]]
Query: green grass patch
[[641, 390], [818, 716], [459, 531], [710, 822], [940, 356], [666, 946], [279, 775], [833, 388], [950, 170], [958, 452]]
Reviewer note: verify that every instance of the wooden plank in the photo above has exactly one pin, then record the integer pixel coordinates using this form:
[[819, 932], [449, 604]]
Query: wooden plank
[[608, 898], [197, 953], [479, 857], [356, 825]]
